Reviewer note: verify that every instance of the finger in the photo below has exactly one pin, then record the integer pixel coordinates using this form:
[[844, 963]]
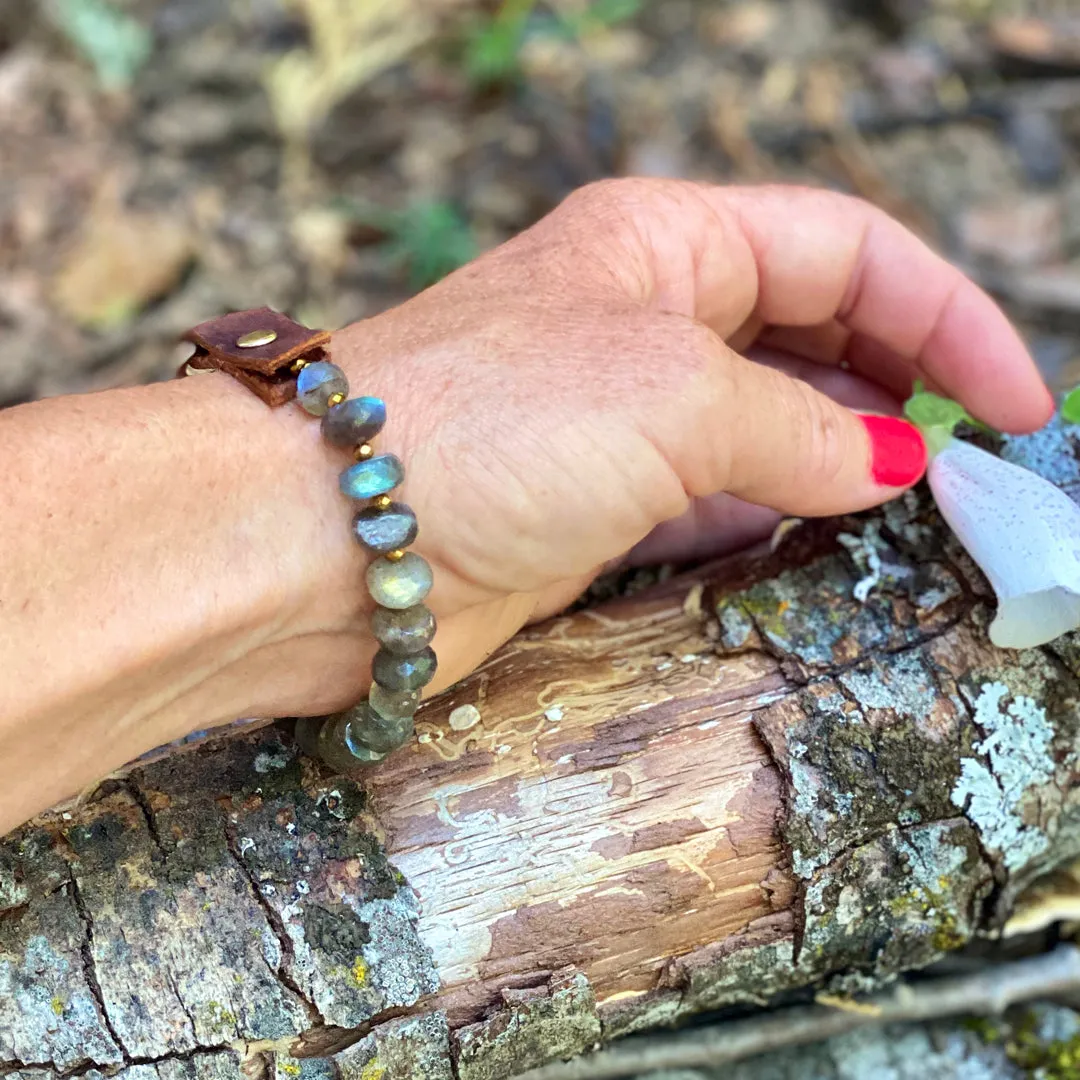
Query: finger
[[845, 387], [799, 257], [833, 344], [822, 256], [755, 432], [719, 524]]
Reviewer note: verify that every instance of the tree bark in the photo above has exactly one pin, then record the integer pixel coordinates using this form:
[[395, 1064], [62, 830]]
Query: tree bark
[[804, 768]]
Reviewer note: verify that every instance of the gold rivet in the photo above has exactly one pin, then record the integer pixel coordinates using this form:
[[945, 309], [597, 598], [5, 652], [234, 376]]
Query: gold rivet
[[299, 365], [364, 451], [395, 556], [382, 502], [335, 399], [256, 338]]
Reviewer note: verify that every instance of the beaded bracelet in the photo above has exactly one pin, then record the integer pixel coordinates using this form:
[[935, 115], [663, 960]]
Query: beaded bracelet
[[279, 359]]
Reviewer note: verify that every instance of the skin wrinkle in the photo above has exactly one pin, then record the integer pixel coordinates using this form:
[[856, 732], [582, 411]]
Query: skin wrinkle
[[857, 277]]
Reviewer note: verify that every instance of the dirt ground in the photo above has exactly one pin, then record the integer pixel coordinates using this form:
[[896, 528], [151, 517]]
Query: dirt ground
[[164, 160]]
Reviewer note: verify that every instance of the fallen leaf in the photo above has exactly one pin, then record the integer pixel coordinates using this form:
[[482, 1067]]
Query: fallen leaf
[[121, 261]]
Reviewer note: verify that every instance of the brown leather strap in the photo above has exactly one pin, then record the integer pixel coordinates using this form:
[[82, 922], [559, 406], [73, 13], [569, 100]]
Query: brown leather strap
[[258, 348]]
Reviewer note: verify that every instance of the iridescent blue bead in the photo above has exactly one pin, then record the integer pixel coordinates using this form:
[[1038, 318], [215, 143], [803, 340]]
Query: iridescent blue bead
[[376, 476], [317, 383], [403, 632], [400, 583], [353, 422], [385, 530], [403, 672], [393, 704], [367, 730]]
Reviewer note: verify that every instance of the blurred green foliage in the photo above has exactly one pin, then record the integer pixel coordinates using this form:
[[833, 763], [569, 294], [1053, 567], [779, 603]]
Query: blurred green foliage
[[115, 43], [430, 239], [493, 43]]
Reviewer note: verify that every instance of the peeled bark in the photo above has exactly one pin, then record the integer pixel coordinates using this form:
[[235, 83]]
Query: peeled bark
[[800, 769]]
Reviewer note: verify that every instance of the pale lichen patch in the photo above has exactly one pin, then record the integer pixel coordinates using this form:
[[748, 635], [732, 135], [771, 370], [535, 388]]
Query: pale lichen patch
[[903, 684], [1051, 452], [865, 550], [1016, 757]]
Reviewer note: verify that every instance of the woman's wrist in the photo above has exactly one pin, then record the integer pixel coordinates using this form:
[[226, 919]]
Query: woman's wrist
[[202, 540]]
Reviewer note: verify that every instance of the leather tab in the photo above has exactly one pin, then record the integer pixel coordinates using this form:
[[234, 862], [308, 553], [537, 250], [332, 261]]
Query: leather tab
[[265, 369]]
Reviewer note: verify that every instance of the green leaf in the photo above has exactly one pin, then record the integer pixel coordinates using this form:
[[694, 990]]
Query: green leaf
[[113, 42], [1070, 407], [928, 410]]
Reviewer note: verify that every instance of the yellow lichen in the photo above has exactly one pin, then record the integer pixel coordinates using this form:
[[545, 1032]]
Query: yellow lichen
[[57, 1005], [359, 971], [373, 1071]]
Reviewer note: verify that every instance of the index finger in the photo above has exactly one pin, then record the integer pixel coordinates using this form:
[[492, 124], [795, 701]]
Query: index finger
[[801, 257]]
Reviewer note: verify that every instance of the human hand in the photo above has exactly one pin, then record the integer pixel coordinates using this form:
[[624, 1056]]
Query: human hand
[[578, 396], [582, 394]]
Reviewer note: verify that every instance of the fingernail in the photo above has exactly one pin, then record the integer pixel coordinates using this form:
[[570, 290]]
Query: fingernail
[[897, 450]]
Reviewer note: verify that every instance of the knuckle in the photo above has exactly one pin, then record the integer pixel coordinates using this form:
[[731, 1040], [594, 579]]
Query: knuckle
[[612, 195]]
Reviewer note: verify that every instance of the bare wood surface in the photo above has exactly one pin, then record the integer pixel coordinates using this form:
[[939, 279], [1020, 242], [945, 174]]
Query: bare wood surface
[[801, 769]]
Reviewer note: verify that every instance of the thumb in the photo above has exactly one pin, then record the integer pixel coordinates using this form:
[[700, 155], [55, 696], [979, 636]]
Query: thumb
[[778, 442]]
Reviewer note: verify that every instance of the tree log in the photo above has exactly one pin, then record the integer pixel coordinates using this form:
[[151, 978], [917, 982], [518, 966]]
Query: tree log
[[808, 768]]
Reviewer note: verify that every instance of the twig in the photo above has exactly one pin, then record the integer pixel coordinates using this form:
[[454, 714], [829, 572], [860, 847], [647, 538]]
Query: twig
[[987, 993]]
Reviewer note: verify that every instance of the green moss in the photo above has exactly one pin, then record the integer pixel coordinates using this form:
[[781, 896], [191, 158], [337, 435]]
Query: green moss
[[984, 1028], [1057, 1060]]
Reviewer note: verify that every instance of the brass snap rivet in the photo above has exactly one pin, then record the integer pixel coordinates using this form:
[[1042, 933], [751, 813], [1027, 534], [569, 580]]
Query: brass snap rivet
[[256, 338]]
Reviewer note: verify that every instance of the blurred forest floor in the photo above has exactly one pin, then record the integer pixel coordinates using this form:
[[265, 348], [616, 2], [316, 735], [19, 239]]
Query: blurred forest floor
[[164, 160]]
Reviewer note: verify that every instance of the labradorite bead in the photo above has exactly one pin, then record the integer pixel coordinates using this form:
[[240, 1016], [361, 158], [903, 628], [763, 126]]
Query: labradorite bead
[[317, 383], [367, 729], [403, 632], [394, 704], [354, 421], [385, 530], [399, 584], [403, 672], [359, 754], [327, 738], [376, 476], [307, 733]]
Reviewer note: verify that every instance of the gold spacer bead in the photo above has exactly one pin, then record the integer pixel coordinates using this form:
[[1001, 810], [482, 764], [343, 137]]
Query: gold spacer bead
[[363, 451], [395, 556], [298, 366], [382, 502], [335, 399]]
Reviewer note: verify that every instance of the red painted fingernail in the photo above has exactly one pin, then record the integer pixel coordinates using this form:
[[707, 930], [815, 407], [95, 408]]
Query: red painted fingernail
[[897, 451]]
